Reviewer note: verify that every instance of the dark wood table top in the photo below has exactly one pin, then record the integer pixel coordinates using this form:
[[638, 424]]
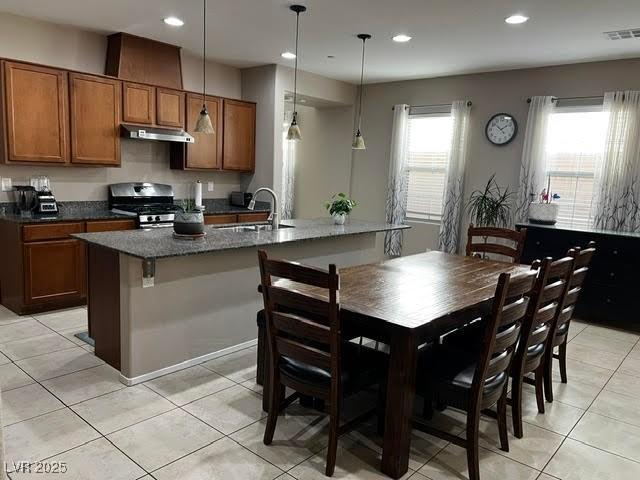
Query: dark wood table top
[[414, 291]]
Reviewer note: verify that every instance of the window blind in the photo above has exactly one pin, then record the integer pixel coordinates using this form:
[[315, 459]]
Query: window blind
[[427, 155]]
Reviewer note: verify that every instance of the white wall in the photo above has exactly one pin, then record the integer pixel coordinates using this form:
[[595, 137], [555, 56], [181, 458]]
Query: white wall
[[267, 86], [491, 93], [66, 47], [323, 158]]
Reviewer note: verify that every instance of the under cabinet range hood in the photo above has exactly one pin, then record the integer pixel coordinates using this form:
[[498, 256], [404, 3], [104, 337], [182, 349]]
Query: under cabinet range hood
[[153, 133]]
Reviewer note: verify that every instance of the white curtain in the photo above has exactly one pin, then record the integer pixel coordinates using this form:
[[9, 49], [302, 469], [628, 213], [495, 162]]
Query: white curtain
[[617, 187], [397, 187], [454, 182], [288, 170], [533, 163]]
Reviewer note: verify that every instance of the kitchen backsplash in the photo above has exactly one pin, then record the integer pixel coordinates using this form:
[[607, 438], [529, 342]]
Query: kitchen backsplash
[[141, 161]]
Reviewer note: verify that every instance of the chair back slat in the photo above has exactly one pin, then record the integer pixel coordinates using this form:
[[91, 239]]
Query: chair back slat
[[303, 353], [298, 273], [486, 241], [553, 291], [507, 338], [514, 311], [499, 364], [300, 327], [290, 300], [578, 276], [502, 331]]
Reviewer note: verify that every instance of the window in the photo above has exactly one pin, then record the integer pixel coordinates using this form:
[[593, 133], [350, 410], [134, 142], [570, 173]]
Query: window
[[574, 149], [428, 153]]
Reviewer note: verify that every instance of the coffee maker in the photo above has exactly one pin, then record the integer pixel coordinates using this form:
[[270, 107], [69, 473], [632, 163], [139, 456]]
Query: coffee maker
[[45, 201]]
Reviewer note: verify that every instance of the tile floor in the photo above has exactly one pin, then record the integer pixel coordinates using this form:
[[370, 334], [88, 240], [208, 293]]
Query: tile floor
[[61, 403]]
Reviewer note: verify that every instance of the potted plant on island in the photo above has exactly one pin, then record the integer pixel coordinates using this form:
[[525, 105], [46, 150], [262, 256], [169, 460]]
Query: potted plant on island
[[189, 220], [339, 207]]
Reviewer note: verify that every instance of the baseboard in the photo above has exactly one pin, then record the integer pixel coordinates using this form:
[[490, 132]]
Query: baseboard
[[186, 364]]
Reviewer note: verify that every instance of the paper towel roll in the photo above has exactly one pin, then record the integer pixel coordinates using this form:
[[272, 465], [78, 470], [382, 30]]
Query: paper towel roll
[[198, 193]]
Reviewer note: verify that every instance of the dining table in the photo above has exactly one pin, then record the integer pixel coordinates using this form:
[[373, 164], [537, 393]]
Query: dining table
[[406, 302]]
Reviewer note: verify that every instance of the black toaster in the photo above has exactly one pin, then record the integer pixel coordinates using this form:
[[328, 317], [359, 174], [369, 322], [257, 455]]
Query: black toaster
[[241, 199]]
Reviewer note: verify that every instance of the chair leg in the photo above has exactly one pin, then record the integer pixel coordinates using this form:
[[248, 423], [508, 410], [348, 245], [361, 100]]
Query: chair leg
[[548, 376], [516, 405], [275, 398], [334, 424], [538, 375], [562, 354], [502, 420], [473, 459], [381, 407]]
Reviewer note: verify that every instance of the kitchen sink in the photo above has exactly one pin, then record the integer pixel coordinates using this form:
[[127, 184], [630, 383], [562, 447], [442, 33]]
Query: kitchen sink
[[252, 228]]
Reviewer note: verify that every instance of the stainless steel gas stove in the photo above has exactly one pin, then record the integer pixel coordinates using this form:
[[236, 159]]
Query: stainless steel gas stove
[[151, 203]]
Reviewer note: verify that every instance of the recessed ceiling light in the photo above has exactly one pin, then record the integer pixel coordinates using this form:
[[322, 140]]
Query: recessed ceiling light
[[173, 21], [401, 38], [516, 19], [288, 55]]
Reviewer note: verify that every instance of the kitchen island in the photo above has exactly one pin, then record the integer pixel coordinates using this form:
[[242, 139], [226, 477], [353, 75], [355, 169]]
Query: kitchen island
[[158, 304]]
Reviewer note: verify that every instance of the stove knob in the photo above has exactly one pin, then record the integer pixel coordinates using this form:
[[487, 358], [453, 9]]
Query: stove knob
[[149, 219], [158, 218]]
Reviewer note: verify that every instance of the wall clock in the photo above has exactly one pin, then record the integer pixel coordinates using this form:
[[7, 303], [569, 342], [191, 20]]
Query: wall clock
[[501, 129]]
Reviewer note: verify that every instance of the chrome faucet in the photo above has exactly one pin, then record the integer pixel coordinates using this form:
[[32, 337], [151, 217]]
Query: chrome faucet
[[273, 216]]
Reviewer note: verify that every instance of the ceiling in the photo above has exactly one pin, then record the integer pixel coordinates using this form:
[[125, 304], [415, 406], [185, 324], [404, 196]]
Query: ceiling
[[449, 36]]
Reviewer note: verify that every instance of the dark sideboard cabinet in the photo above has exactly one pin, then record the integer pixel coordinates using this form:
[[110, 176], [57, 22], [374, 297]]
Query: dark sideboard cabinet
[[611, 289]]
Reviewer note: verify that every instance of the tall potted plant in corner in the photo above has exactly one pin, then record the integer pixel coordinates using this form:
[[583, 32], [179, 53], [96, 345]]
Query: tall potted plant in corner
[[340, 207], [490, 207]]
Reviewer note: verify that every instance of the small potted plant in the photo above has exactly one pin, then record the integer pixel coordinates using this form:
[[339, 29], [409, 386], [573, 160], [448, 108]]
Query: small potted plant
[[339, 207], [189, 220]]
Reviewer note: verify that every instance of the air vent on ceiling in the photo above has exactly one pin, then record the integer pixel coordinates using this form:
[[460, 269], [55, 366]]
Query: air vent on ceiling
[[623, 34]]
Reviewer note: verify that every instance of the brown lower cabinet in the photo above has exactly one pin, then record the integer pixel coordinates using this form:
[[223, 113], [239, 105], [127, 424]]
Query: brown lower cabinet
[[54, 271], [44, 267]]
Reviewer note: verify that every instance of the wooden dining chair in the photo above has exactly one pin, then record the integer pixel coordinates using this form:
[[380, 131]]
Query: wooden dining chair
[[474, 382], [582, 261], [306, 351], [481, 240], [548, 290]]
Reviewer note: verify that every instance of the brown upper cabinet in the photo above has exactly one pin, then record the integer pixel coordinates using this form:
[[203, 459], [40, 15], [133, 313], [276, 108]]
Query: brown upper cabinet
[[206, 152], [139, 103], [239, 132], [95, 120], [37, 116], [170, 106]]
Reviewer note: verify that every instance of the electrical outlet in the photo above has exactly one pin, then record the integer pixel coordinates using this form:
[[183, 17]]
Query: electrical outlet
[[7, 186], [210, 186]]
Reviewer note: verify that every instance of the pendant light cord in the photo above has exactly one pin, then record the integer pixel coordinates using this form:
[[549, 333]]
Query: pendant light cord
[[364, 40], [204, 52], [295, 72]]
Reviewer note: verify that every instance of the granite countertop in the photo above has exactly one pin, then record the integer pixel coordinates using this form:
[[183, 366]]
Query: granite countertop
[[99, 210], [579, 229], [159, 243]]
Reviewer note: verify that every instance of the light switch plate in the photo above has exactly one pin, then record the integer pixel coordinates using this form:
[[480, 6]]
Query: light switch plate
[[7, 185], [210, 186]]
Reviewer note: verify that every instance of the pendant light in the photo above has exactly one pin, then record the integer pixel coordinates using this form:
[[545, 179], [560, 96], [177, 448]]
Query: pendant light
[[204, 125], [294, 130], [358, 141]]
